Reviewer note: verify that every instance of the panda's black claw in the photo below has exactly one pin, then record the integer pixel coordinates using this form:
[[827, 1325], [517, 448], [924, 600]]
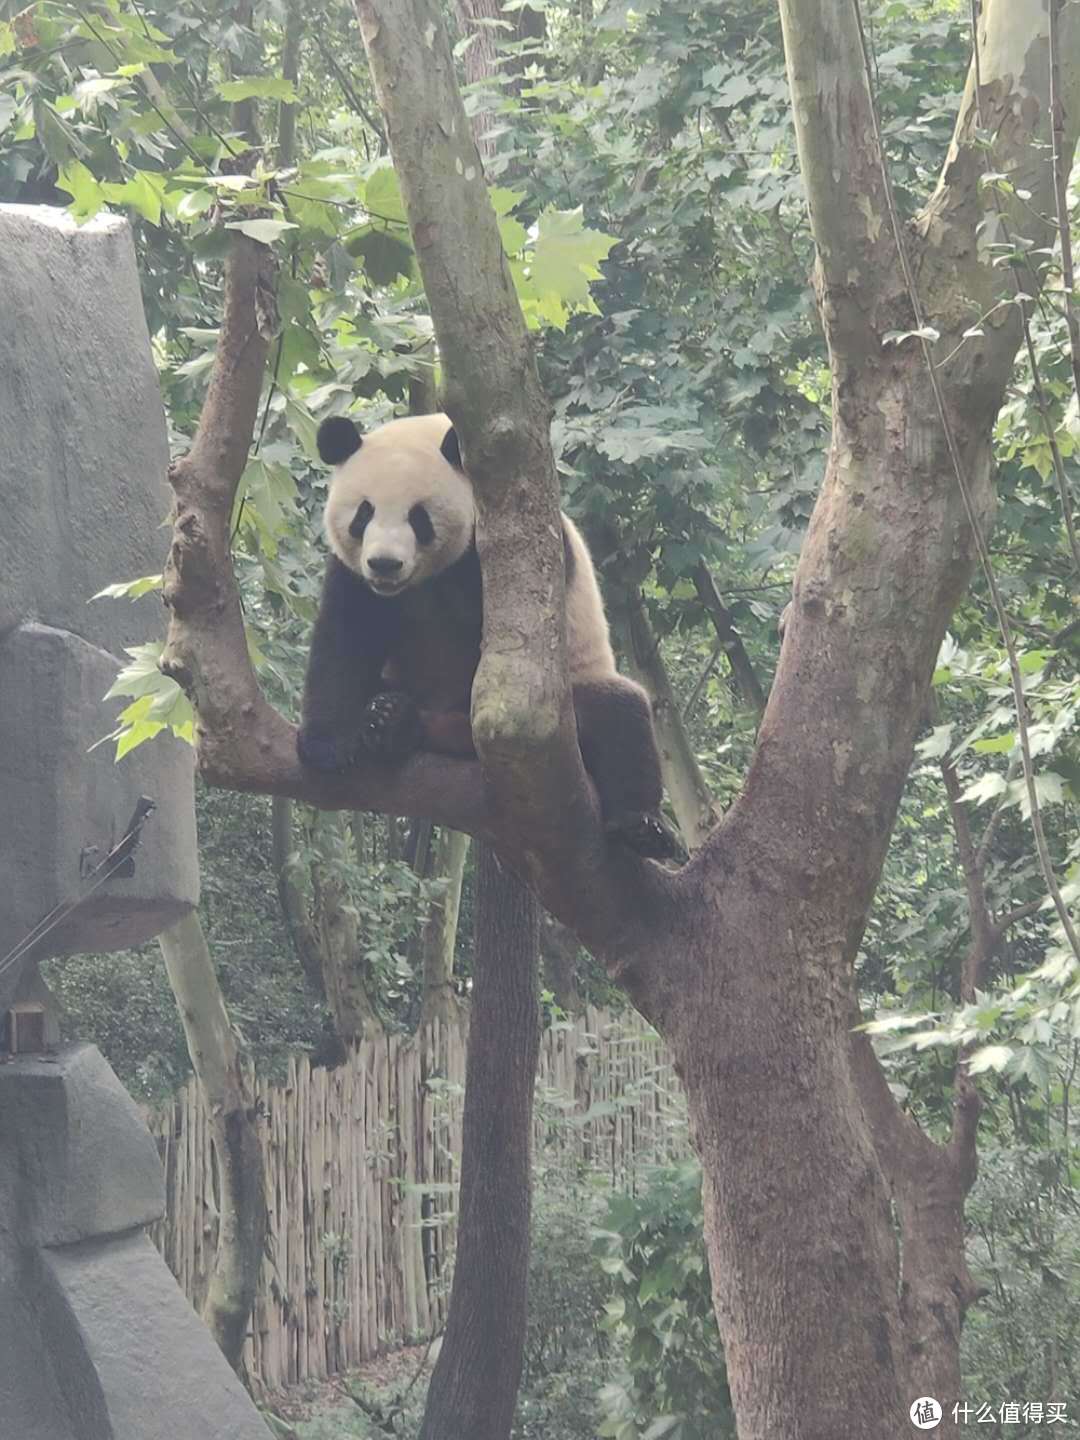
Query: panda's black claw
[[325, 752], [646, 833], [391, 726]]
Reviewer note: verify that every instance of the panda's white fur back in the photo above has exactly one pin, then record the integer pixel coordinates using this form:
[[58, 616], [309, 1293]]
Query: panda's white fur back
[[401, 462]]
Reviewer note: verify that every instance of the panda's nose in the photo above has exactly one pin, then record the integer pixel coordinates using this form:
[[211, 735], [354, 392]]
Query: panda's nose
[[384, 565]]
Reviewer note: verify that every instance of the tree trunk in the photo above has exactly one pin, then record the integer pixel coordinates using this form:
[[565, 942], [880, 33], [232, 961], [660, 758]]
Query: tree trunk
[[345, 971], [439, 934], [241, 1196], [474, 1384]]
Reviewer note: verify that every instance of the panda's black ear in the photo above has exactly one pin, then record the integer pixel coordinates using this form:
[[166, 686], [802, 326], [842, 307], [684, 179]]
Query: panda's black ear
[[337, 439], [450, 450]]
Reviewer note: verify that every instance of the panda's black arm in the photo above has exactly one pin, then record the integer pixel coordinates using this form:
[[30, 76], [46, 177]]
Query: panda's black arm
[[354, 633]]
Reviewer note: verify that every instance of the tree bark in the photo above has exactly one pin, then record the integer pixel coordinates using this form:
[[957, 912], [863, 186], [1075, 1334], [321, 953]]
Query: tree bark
[[474, 1385], [241, 1195], [439, 935]]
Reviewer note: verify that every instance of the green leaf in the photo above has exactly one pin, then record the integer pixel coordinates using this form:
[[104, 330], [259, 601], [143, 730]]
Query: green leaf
[[385, 254], [566, 255], [513, 234], [996, 745], [258, 87], [141, 675], [129, 589], [303, 426], [503, 199], [266, 231], [989, 1057], [382, 194], [86, 194], [937, 743], [987, 787], [193, 204], [661, 1426], [144, 192]]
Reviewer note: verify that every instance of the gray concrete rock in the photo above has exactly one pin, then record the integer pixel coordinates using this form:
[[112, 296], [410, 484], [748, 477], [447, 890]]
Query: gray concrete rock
[[89, 1165], [82, 472], [84, 458], [96, 1340], [74, 803]]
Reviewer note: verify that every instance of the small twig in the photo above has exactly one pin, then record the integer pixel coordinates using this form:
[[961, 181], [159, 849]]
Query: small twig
[[1013, 917], [349, 91], [987, 840], [1042, 848], [702, 681], [724, 624]]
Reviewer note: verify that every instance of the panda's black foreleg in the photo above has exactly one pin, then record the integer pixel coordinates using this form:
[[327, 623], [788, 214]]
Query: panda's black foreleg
[[353, 635], [615, 732]]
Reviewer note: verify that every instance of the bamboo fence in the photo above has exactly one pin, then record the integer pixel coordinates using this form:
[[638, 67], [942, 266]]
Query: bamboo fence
[[361, 1176]]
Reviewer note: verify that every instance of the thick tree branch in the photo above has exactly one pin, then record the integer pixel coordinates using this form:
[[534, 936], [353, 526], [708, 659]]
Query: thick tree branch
[[612, 899], [966, 217], [857, 269]]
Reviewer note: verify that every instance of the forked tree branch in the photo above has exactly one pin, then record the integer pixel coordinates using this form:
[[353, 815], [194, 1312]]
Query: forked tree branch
[[611, 899]]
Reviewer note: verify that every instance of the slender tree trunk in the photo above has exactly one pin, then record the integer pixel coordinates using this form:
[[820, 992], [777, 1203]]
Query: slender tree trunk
[[290, 69], [558, 955], [293, 900], [685, 784], [345, 971], [241, 1196], [474, 1385], [439, 934]]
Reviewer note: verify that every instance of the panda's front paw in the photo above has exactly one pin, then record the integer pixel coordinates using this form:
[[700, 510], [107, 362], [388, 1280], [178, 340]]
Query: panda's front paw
[[391, 726], [647, 833], [325, 752]]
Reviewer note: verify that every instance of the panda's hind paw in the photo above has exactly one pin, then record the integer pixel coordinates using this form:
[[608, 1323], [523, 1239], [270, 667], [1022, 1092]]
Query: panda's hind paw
[[646, 833], [391, 726]]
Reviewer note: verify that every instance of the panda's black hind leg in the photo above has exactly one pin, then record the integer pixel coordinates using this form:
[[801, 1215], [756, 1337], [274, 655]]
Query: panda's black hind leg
[[390, 725], [615, 732]]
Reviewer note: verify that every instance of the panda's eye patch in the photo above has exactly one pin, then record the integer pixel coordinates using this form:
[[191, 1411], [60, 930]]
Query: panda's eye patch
[[360, 519], [420, 521]]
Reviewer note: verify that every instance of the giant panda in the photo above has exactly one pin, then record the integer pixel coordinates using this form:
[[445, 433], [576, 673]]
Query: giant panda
[[397, 638]]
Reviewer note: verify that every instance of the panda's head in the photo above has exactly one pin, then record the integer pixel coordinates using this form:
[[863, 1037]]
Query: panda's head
[[399, 510]]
